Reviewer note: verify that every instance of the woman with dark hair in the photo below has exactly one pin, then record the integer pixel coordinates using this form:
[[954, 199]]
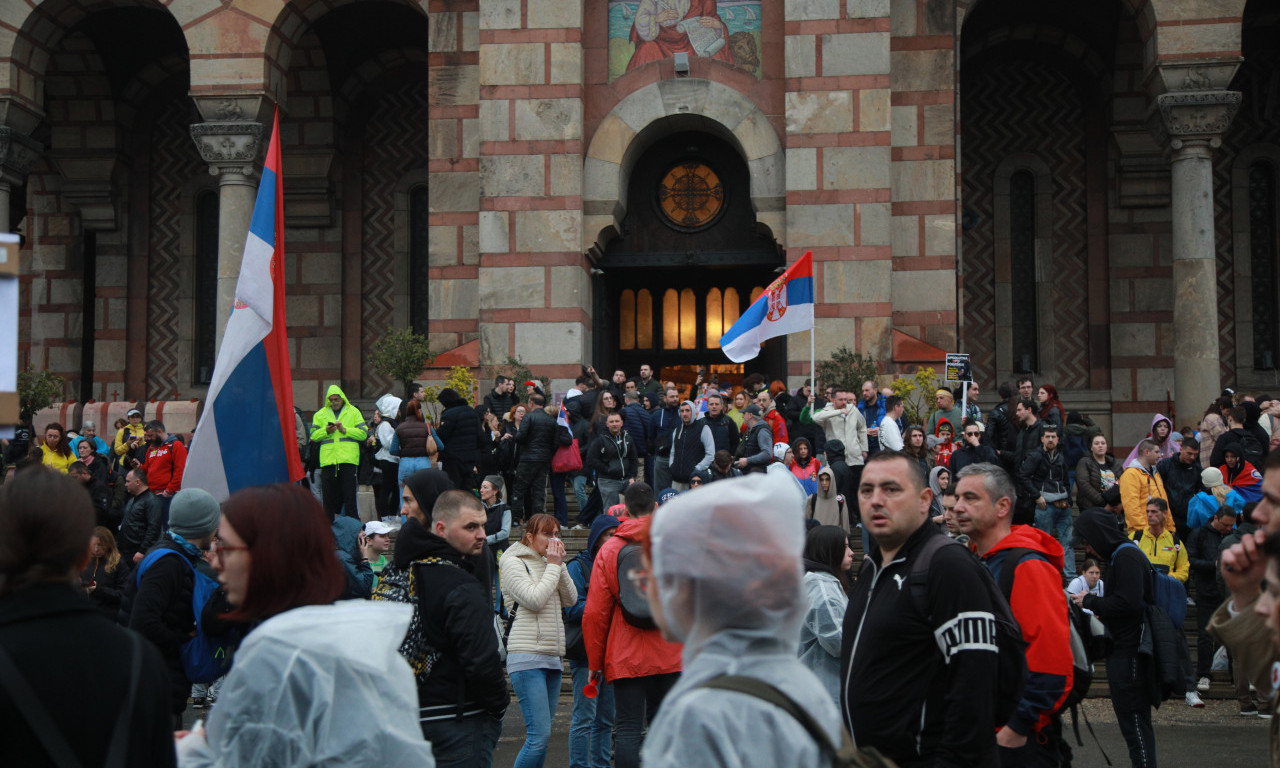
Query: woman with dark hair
[[914, 445], [313, 683], [827, 560], [52, 640], [105, 576], [1051, 409], [56, 450], [96, 465], [806, 465], [415, 441], [606, 404]]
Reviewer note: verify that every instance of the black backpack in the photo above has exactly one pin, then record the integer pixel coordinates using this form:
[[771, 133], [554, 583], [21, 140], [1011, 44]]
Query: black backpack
[[1011, 673], [635, 606]]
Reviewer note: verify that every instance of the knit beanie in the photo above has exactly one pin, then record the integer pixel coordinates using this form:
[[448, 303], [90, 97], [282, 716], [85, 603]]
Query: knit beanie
[[496, 482], [194, 513], [1211, 477]]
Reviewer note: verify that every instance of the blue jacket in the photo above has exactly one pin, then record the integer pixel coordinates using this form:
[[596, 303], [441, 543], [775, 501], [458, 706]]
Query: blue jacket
[[580, 567], [662, 422], [636, 420], [346, 533]]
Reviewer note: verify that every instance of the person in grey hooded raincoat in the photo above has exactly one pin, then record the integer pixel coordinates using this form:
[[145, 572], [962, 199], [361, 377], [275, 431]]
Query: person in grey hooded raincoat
[[726, 580]]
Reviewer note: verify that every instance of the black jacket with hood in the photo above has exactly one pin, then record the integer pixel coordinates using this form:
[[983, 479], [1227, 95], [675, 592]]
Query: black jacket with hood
[[539, 436], [612, 457], [459, 430], [1122, 608], [845, 479]]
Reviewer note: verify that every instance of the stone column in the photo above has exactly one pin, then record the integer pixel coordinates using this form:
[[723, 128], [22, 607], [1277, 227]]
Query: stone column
[[17, 152], [1193, 122], [231, 149]]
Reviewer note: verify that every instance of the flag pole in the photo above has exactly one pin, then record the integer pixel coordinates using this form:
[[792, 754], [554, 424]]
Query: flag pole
[[813, 365]]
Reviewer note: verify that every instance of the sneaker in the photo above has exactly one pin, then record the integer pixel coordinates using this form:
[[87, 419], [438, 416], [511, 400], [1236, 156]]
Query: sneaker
[[1193, 700], [198, 703], [1203, 685], [1264, 714], [1250, 712], [1190, 601], [579, 527]]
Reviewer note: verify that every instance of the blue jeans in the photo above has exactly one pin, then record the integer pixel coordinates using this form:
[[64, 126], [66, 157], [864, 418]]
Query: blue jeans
[[408, 466], [1056, 521], [591, 731], [580, 492], [539, 692], [559, 502], [465, 743]]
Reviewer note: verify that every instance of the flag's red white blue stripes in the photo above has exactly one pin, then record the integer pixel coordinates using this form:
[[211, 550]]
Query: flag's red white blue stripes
[[785, 307], [246, 434]]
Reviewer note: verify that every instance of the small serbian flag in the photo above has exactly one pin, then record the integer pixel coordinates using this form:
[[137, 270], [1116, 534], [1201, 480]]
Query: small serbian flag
[[246, 435], [563, 418], [785, 307]]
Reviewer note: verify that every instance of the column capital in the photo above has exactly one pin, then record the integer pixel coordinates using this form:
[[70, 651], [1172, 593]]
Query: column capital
[[231, 147], [1183, 118], [18, 152]]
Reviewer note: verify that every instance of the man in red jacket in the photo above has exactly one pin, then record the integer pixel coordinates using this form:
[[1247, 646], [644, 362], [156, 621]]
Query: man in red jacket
[[641, 665], [984, 511], [165, 462]]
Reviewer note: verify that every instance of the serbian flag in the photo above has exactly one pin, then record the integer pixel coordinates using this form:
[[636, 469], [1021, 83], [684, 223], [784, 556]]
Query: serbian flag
[[785, 307], [246, 435], [563, 418]]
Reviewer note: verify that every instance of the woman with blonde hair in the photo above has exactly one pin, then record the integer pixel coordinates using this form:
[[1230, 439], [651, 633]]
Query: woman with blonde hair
[[105, 576], [537, 587]]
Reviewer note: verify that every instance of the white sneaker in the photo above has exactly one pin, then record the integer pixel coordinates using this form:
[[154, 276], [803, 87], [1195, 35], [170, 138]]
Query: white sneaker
[[1203, 685], [1193, 700]]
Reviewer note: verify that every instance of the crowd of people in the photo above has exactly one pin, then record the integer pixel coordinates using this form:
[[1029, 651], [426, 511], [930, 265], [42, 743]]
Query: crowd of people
[[736, 626]]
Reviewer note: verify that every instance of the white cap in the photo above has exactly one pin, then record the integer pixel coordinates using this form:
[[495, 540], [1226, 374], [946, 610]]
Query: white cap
[[376, 527]]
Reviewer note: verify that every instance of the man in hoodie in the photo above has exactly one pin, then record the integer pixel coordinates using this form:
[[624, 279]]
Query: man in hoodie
[[662, 423], [1139, 483], [462, 693], [591, 730], [1029, 563], [1046, 490], [460, 431], [640, 664], [165, 462], [635, 419], [692, 447], [1121, 609], [339, 430]]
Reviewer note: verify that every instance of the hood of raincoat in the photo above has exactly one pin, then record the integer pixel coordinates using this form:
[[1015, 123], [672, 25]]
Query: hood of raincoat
[[1100, 528], [388, 406], [730, 559], [598, 527], [834, 450], [317, 685], [1169, 447], [1027, 537], [334, 389]]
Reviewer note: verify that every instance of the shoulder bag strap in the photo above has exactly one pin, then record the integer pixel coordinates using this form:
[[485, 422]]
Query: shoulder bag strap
[[53, 741], [759, 689], [117, 754]]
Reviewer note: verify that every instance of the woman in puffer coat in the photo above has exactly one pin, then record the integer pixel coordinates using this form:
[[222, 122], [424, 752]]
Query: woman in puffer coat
[[536, 584]]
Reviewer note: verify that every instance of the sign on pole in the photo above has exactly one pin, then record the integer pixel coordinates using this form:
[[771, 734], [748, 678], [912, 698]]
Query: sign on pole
[[958, 368]]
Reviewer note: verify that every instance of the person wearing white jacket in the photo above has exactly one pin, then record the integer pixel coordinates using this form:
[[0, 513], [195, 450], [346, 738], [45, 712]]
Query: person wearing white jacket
[[386, 494], [827, 560], [536, 584]]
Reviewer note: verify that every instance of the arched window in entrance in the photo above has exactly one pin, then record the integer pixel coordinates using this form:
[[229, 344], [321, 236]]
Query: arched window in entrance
[[635, 320], [1022, 240]]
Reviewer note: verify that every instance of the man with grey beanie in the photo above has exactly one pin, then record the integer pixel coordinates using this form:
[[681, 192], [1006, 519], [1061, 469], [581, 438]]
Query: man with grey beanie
[[157, 599]]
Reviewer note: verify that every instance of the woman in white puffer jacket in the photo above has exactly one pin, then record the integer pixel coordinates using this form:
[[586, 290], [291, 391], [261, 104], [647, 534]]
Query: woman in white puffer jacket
[[536, 584]]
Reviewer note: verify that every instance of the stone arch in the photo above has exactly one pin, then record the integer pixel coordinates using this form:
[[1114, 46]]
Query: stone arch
[[667, 106], [1143, 12], [287, 31]]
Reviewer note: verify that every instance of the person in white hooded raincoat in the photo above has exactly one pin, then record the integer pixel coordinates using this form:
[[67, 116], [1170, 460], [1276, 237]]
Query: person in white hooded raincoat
[[314, 683], [726, 580]]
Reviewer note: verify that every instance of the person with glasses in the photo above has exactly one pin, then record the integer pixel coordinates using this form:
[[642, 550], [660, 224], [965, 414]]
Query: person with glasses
[[313, 683], [972, 450]]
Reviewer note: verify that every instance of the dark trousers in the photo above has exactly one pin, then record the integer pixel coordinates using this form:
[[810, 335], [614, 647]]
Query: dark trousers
[[465, 743], [635, 701], [386, 492], [463, 476], [338, 487], [529, 497], [1042, 750], [1127, 674], [1206, 603]]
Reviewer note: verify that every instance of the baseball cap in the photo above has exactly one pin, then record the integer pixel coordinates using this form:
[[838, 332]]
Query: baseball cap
[[666, 495], [133, 412], [753, 409], [376, 528]]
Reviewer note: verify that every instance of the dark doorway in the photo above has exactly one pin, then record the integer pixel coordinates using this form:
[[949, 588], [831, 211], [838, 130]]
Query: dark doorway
[[690, 259]]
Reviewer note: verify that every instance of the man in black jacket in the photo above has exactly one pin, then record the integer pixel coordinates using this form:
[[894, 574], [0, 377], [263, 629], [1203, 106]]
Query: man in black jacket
[[140, 527], [1025, 441], [724, 431], [612, 456], [157, 599], [538, 438], [502, 398], [460, 432], [916, 686], [1122, 609], [462, 695], [1000, 430], [972, 450], [1203, 547], [1181, 476], [1044, 489]]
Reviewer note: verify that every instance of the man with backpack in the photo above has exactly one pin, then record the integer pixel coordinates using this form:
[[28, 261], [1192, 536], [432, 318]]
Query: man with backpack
[[1027, 564], [1122, 609], [622, 640], [924, 651], [157, 601]]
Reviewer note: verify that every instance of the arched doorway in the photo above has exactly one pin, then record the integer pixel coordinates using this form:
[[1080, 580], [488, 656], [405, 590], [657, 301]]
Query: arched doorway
[[689, 260]]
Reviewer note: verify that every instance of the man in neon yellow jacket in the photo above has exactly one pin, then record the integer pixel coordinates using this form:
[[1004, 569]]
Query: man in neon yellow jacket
[[339, 429]]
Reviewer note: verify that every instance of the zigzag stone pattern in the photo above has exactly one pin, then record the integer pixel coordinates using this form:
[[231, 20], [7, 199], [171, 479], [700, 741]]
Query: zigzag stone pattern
[[1026, 107], [174, 162], [395, 143]]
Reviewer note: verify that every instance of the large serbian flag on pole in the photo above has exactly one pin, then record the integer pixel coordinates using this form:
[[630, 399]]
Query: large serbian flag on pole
[[785, 307], [246, 435]]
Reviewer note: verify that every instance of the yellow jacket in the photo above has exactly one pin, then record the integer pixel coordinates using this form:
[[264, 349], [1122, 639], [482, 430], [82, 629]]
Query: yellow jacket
[[1167, 551], [121, 446], [57, 461], [338, 447], [1136, 486]]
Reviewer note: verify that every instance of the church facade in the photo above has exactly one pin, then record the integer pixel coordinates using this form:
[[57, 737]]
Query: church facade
[[1086, 191]]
